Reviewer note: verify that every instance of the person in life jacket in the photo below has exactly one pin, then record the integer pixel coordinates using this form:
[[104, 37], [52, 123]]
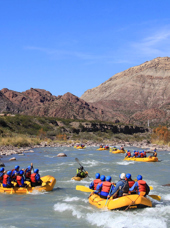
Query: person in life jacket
[[15, 172], [129, 180], [80, 172], [122, 186], [106, 147], [94, 183], [7, 180], [2, 172], [142, 154], [136, 154], [105, 187], [128, 154], [35, 178], [122, 148], [141, 186], [20, 179], [27, 172], [101, 146]]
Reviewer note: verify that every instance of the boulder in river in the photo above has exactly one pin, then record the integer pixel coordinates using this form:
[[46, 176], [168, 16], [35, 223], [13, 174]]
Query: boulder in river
[[2, 165], [12, 159], [62, 155]]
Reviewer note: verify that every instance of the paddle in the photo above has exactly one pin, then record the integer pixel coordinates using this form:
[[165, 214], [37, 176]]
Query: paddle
[[77, 160], [156, 197], [83, 188], [108, 195]]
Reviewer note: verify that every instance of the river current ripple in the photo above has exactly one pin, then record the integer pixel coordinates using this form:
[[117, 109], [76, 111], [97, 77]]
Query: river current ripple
[[66, 207]]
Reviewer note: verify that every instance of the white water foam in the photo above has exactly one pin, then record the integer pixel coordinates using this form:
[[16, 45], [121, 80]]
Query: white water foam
[[166, 197], [126, 163], [61, 207], [72, 199]]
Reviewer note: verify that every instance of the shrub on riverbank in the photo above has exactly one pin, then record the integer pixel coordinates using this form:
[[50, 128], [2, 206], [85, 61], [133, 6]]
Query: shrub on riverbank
[[161, 136]]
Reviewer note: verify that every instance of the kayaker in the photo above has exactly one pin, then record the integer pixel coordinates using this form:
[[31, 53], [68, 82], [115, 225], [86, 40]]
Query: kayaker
[[20, 179], [104, 187], [35, 178], [94, 183], [122, 186], [2, 172], [27, 172], [129, 180], [7, 180], [15, 172], [141, 186], [122, 148], [80, 172]]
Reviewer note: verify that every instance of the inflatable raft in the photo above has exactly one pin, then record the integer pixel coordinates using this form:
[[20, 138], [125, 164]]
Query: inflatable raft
[[147, 159], [121, 203], [79, 147], [79, 178], [103, 149], [48, 183], [119, 151]]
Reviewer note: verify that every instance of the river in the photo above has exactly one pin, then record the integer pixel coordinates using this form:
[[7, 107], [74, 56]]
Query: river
[[66, 207]]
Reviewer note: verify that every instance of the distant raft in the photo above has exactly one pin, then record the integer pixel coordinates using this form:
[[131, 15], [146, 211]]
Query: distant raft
[[79, 178], [147, 159], [103, 148], [119, 151], [48, 183], [79, 147], [122, 203]]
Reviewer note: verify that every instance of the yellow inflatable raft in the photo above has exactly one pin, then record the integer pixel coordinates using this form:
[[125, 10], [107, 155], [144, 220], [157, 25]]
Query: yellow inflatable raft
[[48, 183], [103, 149], [119, 151], [121, 203], [79, 147], [147, 159], [79, 178]]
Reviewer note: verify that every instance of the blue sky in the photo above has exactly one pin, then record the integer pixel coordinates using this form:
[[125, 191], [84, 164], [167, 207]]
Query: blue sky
[[75, 45]]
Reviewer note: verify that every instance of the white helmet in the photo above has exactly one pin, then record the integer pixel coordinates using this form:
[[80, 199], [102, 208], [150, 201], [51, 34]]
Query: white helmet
[[122, 176]]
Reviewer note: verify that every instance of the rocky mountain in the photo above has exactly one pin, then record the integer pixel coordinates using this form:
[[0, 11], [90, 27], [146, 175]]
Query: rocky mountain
[[139, 93], [39, 102], [6, 105]]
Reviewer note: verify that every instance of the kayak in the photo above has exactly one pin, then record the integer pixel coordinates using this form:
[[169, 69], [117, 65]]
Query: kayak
[[147, 159], [125, 202], [103, 149], [79, 178], [48, 183], [119, 151]]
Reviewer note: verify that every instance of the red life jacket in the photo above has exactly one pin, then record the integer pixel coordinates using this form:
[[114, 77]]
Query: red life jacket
[[96, 182], [131, 183], [142, 185], [106, 186], [136, 154], [5, 178], [27, 174], [33, 177], [18, 178], [128, 154], [142, 155]]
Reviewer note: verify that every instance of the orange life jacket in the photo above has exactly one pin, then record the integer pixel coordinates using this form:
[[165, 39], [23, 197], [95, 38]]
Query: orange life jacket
[[27, 174], [142, 185], [106, 187], [128, 154], [33, 177], [5, 179], [96, 182], [18, 178], [131, 183], [142, 155]]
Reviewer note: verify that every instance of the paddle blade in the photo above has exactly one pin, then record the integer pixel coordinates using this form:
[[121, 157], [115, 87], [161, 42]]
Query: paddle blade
[[156, 197], [151, 188], [83, 188]]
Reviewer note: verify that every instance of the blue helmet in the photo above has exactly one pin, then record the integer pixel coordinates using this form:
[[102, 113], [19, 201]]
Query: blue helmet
[[142, 151], [139, 177], [1, 169], [16, 167], [29, 168], [21, 172], [134, 151], [128, 151], [36, 170], [128, 175], [97, 175], [9, 173], [102, 178], [108, 178]]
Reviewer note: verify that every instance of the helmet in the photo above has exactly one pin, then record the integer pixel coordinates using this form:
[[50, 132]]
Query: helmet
[[21, 172], [134, 151], [102, 178], [97, 175], [36, 170], [142, 151], [122, 176], [108, 178], [128, 175], [128, 151], [139, 177], [9, 173], [16, 167], [1, 169]]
